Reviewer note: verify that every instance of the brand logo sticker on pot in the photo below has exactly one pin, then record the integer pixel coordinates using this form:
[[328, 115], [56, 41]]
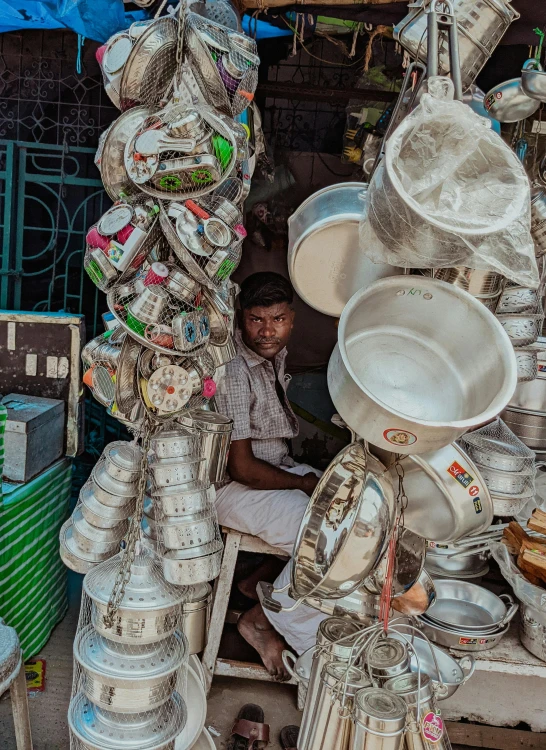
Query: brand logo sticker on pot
[[432, 727], [399, 437], [460, 474], [477, 505], [474, 490], [467, 641]]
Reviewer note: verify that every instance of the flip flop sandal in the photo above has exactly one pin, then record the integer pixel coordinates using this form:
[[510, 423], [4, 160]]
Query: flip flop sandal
[[289, 737], [249, 731]]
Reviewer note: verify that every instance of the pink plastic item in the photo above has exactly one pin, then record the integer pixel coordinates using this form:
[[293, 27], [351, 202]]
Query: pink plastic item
[[209, 387], [240, 230], [124, 234], [96, 239], [99, 53]]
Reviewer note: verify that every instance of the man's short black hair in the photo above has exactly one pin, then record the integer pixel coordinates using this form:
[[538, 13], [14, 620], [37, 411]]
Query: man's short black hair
[[264, 289]]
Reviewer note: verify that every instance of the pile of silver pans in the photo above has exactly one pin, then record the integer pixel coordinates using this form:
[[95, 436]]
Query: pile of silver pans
[[525, 414], [100, 519], [466, 616], [180, 520]]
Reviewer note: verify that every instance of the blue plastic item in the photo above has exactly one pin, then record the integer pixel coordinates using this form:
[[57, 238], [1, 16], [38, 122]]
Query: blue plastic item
[[93, 19], [262, 29]]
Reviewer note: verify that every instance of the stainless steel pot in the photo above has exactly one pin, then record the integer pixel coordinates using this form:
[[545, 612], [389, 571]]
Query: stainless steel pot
[[461, 640], [518, 299], [388, 658], [530, 396], [529, 426], [186, 532], [360, 606], [149, 730], [532, 630], [100, 515], [126, 680], [379, 720], [196, 565], [180, 443], [182, 500], [177, 471], [404, 397], [94, 539], [423, 726], [508, 102], [324, 262], [409, 561], [150, 608], [447, 498], [355, 493], [114, 491], [507, 482], [454, 563], [440, 666], [72, 556], [461, 605], [215, 431], [122, 461], [481, 25], [523, 329], [335, 639], [527, 364], [196, 616]]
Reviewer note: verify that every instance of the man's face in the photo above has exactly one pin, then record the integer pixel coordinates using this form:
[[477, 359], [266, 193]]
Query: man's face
[[266, 330]]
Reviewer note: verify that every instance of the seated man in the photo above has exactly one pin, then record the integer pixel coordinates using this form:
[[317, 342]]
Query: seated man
[[266, 493]]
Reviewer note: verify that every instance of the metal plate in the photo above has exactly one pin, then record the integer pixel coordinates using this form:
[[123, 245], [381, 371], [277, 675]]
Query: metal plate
[[126, 376], [112, 165], [115, 219], [196, 699], [117, 53]]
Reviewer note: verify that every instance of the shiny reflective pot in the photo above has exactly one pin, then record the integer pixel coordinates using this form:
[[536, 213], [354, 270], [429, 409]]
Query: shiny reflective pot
[[532, 630], [122, 461], [128, 680], [475, 282], [508, 102], [529, 426], [186, 567], [324, 262], [150, 608], [439, 562], [388, 658], [379, 720], [185, 532], [402, 397], [111, 486], [481, 25], [180, 443], [100, 515], [182, 500], [177, 471], [215, 431], [72, 556], [441, 506], [94, 539], [461, 605], [360, 606], [195, 617], [345, 528], [527, 364], [461, 640], [530, 396]]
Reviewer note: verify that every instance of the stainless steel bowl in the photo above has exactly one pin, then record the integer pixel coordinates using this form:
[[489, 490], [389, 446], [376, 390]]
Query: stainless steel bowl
[[73, 557], [181, 500], [100, 515], [128, 680], [421, 392], [122, 461], [508, 102], [186, 532], [94, 539], [465, 606], [177, 471], [522, 329], [533, 80], [475, 282], [112, 486], [530, 396], [507, 482], [518, 299], [527, 364], [180, 443], [529, 426]]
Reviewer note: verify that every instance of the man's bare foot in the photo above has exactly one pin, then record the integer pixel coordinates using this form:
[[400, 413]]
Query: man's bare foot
[[267, 571], [258, 631]]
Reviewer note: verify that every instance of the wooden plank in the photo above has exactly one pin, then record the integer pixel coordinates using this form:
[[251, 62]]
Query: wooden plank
[[249, 543], [19, 707], [496, 738], [246, 670], [262, 4]]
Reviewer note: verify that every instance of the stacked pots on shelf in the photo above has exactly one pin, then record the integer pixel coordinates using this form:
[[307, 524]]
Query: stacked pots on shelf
[[521, 314], [101, 517], [525, 414], [130, 675]]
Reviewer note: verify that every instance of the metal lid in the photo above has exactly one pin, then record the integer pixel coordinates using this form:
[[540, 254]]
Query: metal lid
[[387, 653], [124, 455], [352, 679], [211, 421], [108, 658], [199, 596], [146, 589], [380, 709], [115, 219], [407, 686], [113, 486], [332, 630], [99, 729]]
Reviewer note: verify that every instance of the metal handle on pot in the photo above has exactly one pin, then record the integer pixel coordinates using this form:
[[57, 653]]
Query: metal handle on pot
[[265, 593], [445, 20], [289, 660], [512, 609], [468, 664]]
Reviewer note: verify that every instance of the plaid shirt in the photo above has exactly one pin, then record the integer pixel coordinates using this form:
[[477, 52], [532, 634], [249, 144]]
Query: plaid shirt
[[248, 396]]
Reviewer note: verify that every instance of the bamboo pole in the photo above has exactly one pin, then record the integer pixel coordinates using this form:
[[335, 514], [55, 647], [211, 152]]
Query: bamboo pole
[[262, 4]]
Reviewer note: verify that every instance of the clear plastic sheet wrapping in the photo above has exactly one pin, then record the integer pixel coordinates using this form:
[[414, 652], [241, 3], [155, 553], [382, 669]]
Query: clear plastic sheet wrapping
[[449, 192], [526, 592]]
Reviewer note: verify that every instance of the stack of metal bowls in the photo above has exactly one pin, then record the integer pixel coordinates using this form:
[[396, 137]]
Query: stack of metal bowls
[[466, 616], [127, 674], [100, 519], [183, 523], [521, 314], [525, 414], [485, 286]]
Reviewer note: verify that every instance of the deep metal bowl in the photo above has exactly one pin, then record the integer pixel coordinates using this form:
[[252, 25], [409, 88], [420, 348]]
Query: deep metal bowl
[[478, 283], [448, 366], [186, 532], [94, 539], [100, 515], [508, 102], [73, 557], [122, 461], [196, 565], [529, 426], [112, 486], [112, 165], [183, 500], [533, 80], [507, 482], [171, 472], [180, 443]]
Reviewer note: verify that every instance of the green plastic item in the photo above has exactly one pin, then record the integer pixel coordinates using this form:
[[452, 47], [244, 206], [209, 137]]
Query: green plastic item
[[223, 150], [135, 324]]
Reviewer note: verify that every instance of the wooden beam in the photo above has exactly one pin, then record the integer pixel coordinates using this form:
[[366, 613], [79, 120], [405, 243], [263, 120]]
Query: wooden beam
[[262, 4], [246, 670], [496, 738], [286, 90]]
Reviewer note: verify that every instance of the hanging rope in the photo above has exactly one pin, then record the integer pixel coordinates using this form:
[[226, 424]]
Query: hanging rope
[[381, 30], [81, 40]]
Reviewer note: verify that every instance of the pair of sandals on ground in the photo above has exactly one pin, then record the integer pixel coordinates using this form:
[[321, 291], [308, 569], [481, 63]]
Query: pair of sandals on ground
[[251, 733]]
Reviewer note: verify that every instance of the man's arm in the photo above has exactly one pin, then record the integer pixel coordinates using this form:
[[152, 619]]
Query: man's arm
[[245, 468]]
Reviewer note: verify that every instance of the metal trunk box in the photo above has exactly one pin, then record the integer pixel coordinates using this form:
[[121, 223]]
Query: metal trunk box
[[34, 436]]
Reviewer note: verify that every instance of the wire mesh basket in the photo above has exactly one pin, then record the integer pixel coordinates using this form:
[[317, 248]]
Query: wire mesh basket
[[225, 63], [497, 448], [221, 12], [119, 243], [181, 153]]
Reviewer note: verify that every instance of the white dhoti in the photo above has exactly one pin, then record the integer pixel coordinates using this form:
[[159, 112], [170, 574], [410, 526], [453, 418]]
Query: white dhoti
[[274, 516]]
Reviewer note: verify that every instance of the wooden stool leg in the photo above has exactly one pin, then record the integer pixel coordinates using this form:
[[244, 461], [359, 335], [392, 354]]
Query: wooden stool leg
[[19, 707], [220, 605]]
